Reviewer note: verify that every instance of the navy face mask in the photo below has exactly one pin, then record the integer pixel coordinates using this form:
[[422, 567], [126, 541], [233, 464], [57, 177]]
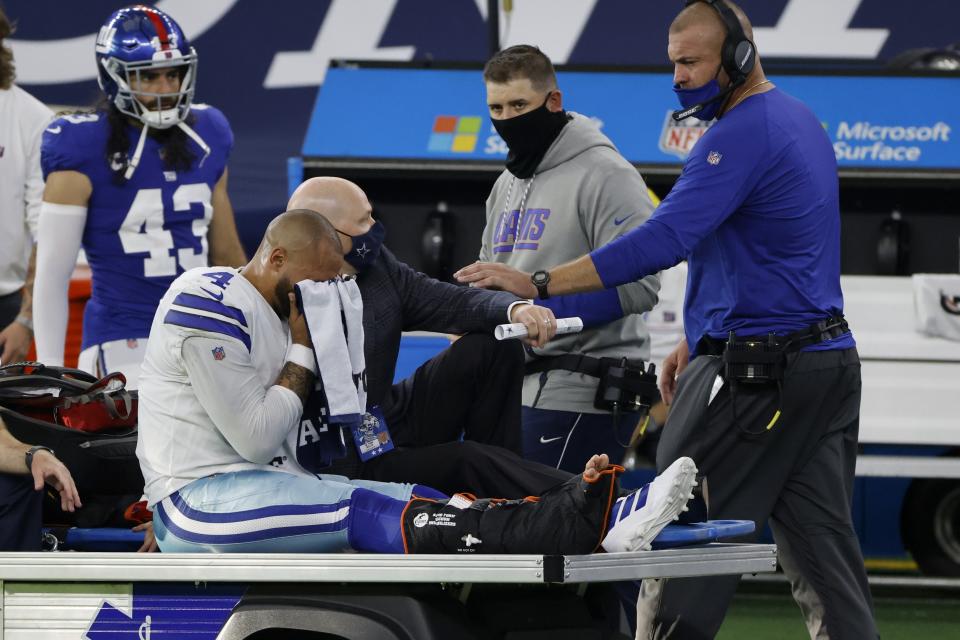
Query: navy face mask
[[366, 247], [692, 97]]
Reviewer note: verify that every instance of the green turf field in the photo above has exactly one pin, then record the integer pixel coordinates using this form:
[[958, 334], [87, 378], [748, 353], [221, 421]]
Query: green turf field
[[776, 617]]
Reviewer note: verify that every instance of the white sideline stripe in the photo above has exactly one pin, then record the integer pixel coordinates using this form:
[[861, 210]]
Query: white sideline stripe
[[249, 526]]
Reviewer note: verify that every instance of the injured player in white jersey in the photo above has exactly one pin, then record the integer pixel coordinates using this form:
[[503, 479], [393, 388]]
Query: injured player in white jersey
[[228, 367]]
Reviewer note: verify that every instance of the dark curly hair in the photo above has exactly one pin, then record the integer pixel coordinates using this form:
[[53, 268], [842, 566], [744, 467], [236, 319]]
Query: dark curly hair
[[175, 144], [7, 71]]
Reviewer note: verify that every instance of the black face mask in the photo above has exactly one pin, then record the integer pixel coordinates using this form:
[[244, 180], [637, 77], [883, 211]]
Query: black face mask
[[366, 247], [528, 136]]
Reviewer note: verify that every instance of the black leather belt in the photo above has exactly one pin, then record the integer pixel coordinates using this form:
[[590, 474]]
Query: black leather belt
[[570, 362], [828, 329]]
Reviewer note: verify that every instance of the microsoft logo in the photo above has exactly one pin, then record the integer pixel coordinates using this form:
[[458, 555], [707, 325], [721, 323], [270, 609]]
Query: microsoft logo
[[454, 133]]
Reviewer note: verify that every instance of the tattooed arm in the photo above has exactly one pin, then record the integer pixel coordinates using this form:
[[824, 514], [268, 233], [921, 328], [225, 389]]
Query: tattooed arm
[[296, 378], [300, 369]]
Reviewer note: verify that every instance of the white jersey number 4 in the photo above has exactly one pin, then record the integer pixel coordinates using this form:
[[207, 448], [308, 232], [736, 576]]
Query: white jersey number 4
[[142, 230]]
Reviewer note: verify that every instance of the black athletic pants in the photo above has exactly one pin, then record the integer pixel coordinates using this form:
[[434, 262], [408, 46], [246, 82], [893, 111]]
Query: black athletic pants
[[9, 309], [798, 475], [472, 389], [20, 513]]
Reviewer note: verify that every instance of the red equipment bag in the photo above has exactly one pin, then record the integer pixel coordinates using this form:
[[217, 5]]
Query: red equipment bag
[[68, 397], [90, 424]]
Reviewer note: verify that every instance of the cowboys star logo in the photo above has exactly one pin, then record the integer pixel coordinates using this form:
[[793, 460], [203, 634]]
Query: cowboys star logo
[[362, 250]]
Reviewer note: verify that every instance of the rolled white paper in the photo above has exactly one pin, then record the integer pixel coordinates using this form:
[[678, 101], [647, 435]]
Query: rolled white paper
[[519, 330]]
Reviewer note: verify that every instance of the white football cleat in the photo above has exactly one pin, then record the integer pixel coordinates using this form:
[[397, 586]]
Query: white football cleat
[[639, 517]]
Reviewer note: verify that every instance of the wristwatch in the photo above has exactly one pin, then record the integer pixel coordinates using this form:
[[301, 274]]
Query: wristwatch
[[540, 280], [33, 450]]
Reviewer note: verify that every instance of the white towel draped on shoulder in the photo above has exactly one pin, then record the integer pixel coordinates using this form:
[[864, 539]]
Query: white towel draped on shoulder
[[334, 315]]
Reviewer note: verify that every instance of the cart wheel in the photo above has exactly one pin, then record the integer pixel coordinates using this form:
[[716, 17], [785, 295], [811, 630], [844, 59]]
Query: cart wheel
[[930, 526]]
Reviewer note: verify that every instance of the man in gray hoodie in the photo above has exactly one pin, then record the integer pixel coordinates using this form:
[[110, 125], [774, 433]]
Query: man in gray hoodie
[[566, 190]]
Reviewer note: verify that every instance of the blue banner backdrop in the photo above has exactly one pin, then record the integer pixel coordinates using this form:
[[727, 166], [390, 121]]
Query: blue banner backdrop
[[868, 129], [261, 62]]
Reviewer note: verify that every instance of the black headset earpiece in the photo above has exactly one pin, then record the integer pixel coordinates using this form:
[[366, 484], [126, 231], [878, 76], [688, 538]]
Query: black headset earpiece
[[738, 55]]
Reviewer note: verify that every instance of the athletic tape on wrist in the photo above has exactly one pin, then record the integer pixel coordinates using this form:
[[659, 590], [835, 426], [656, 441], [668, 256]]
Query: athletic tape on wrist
[[301, 355]]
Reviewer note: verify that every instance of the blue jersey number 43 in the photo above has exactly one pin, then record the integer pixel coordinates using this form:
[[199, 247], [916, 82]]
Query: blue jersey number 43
[[142, 230]]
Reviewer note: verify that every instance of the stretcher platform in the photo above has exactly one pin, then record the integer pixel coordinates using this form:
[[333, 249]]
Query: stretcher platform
[[711, 559], [353, 596]]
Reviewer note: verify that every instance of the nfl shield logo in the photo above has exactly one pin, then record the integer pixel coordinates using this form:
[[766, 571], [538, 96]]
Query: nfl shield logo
[[218, 353], [714, 158], [678, 138]]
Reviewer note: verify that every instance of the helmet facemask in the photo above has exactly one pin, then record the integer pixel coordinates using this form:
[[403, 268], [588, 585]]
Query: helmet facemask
[[148, 107], [139, 39]]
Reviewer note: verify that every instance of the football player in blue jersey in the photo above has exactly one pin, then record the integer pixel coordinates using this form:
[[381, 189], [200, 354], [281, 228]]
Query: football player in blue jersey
[[140, 183]]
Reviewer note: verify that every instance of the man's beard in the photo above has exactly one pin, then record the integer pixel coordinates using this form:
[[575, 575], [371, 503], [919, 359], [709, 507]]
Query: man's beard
[[281, 292]]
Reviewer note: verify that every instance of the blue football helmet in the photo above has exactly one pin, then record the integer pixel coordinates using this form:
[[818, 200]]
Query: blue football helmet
[[137, 39]]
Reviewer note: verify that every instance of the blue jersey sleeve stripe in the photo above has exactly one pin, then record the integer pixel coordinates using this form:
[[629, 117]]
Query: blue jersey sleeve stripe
[[206, 304], [204, 323]]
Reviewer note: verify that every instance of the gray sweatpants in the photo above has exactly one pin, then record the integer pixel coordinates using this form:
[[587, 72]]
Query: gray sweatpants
[[798, 475]]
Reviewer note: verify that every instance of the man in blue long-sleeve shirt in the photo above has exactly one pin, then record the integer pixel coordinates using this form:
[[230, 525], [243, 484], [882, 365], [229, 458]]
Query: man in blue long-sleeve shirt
[[756, 214]]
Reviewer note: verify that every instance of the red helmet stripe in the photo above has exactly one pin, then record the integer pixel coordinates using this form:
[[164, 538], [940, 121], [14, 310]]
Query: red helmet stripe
[[161, 28]]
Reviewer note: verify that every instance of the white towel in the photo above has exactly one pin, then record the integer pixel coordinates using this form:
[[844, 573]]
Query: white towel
[[334, 315], [352, 305]]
